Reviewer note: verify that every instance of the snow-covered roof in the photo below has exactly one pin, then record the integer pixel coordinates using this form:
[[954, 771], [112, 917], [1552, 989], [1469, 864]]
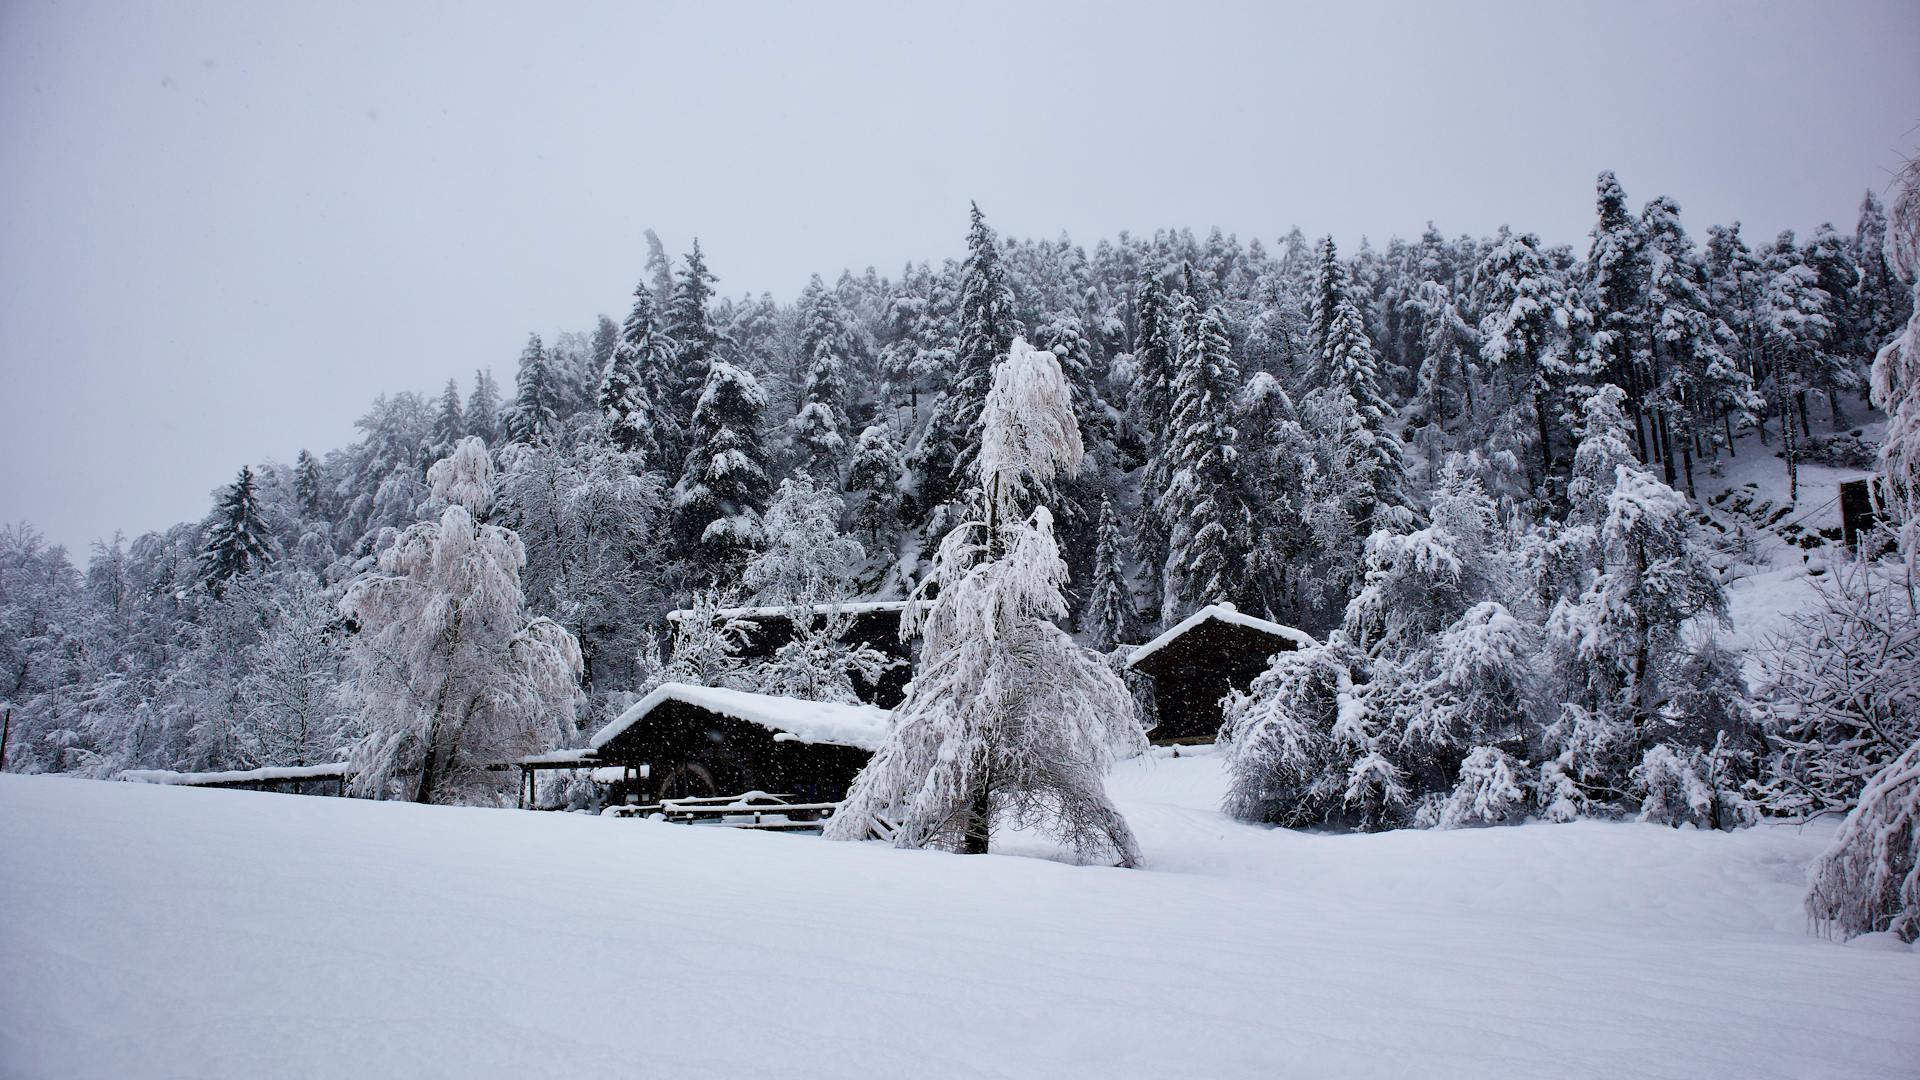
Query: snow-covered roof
[[777, 611], [806, 721], [239, 776], [1225, 613], [557, 757]]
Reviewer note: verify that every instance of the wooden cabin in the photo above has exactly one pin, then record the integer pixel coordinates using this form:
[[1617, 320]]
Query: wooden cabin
[[1199, 661], [875, 623], [686, 741]]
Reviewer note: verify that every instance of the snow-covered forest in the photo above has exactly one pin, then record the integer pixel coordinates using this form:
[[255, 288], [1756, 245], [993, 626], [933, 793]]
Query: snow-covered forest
[[1475, 469]]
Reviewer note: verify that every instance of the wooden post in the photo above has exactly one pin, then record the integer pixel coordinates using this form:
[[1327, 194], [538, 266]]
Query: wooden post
[[6, 732]]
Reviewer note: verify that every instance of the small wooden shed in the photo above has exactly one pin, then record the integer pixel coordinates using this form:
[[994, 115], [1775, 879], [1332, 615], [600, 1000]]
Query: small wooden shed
[[685, 741], [1202, 659]]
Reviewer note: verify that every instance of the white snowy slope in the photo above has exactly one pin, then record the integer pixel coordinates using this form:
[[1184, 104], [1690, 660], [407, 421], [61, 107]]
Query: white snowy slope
[[164, 931]]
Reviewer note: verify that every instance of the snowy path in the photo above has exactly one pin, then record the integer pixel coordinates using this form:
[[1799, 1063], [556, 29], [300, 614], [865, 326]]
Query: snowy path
[[170, 932]]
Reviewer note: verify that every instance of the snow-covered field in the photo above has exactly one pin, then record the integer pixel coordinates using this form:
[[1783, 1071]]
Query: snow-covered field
[[159, 931]]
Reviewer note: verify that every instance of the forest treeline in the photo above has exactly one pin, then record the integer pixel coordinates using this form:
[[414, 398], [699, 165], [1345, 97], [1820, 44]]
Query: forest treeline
[[1461, 463]]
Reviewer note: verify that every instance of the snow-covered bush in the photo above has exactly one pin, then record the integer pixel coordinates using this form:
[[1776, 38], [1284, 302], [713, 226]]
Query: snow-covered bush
[[1840, 693], [1684, 785], [1492, 791], [819, 663], [1868, 879], [1007, 720]]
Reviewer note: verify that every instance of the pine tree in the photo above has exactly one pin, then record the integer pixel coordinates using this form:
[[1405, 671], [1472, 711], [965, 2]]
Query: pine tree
[[309, 487], [1882, 303], [237, 538], [819, 427], [724, 487], [1700, 393], [1007, 719], [1523, 336], [1346, 364], [696, 340], [986, 326], [1110, 614], [483, 408], [635, 377], [1616, 292], [1150, 411], [1797, 330], [535, 415], [449, 423], [1208, 524], [874, 476]]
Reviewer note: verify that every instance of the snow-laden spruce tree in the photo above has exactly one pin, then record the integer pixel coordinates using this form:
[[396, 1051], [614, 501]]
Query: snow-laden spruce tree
[[1111, 615], [1625, 576], [873, 478], [238, 539], [724, 487], [448, 672], [1007, 722]]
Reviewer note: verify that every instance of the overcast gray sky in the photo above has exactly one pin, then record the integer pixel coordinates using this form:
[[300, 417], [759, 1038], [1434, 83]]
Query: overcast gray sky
[[225, 227]]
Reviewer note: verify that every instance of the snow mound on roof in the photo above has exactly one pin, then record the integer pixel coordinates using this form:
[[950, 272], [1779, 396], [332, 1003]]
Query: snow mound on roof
[[863, 726], [1226, 613], [238, 776]]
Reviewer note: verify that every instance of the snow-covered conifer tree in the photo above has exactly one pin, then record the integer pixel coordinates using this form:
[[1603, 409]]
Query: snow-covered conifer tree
[[1207, 522], [943, 461], [449, 423], [448, 672], [873, 479], [483, 408], [819, 428], [724, 488], [1007, 720], [635, 378], [1111, 615], [238, 540], [535, 413]]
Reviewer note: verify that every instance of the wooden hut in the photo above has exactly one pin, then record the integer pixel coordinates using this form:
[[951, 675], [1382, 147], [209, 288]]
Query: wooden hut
[[686, 741], [875, 623], [1208, 655]]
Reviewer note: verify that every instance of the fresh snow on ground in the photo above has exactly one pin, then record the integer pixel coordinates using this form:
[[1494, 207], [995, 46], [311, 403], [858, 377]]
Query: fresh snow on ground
[[166, 931]]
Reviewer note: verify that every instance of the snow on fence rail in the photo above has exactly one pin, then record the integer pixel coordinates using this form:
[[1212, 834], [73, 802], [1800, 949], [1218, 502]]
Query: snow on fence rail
[[338, 770]]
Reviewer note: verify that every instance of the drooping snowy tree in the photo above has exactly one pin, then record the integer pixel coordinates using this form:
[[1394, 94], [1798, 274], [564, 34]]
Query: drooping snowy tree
[[720, 495], [1896, 370], [237, 537], [821, 663], [1007, 720], [294, 712], [446, 669], [1868, 879]]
